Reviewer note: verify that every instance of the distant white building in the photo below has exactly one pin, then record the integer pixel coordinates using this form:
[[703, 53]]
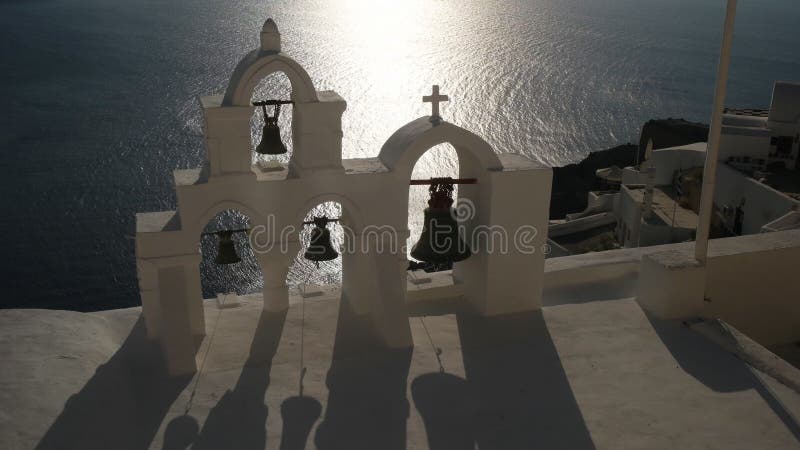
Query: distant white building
[[754, 139], [757, 188]]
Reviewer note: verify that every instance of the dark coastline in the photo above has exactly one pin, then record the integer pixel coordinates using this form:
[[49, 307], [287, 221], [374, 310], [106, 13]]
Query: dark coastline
[[571, 183]]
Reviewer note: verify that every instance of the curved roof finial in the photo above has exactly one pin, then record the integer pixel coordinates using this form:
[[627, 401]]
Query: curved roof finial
[[270, 37]]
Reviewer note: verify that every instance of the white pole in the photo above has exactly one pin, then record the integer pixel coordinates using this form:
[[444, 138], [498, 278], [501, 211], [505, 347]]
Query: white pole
[[712, 150]]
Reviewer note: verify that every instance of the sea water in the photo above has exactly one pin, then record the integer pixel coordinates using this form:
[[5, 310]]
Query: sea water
[[99, 103]]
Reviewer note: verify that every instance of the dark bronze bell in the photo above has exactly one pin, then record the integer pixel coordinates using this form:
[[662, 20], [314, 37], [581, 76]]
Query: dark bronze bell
[[271, 143], [226, 251], [440, 241], [320, 248]]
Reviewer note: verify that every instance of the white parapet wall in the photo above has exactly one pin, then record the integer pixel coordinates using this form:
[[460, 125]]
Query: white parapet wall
[[749, 282], [760, 203]]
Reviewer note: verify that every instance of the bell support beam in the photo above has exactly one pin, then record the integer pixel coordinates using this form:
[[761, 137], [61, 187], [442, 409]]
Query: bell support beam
[[272, 102], [240, 230], [311, 222], [433, 181]]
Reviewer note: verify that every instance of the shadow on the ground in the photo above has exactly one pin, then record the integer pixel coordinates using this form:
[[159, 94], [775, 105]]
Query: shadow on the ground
[[448, 409], [520, 392], [367, 406], [122, 405], [238, 421], [623, 286], [180, 433], [715, 367], [299, 414]]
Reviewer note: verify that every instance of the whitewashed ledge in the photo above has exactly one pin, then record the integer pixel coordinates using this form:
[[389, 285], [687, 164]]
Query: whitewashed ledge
[[592, 375], [595, 372]]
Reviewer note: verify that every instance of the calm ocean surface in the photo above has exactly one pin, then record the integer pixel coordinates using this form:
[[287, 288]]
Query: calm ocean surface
[[99, 101]]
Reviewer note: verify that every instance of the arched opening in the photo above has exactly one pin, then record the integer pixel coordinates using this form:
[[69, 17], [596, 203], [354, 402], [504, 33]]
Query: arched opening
[[304, 273], [275, 86], [437, 162], [243, 277]]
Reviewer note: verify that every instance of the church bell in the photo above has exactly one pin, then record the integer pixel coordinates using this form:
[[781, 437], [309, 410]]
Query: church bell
[[271, 143], [226, 251], [440, 241], [320, 248]]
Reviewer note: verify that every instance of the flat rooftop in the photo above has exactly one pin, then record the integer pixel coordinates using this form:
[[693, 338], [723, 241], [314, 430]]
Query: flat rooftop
[[576, 375], [665, 209]]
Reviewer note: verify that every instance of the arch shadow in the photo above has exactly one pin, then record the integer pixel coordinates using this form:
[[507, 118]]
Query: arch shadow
[[122, 405], [238, 421], [299, 414], [522, 396], [367, 406], [446, 404]]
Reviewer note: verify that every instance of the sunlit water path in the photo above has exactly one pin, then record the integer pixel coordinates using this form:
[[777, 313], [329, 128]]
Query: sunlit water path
[[100, 101]]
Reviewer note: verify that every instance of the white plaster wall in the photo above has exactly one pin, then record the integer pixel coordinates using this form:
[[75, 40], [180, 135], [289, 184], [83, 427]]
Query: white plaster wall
[[751, 281], [629, 214], [668, 160], [762, 204], [650, 234], [756, 290], [756, 147], [596, 202]]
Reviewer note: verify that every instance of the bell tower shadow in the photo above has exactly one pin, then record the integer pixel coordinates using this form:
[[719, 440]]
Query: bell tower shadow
[[367, 406], [238, 421], [299, 414], [522, 395], [122, 405], [447, 406]]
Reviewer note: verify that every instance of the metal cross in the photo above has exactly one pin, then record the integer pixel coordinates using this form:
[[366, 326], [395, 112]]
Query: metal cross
[[434, 99]]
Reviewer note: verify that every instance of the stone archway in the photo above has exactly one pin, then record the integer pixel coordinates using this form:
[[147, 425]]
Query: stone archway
[[243, 277], [402, 150], [476, 159], [198, 223], [356, 263], [314, 147], [262, 62]]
